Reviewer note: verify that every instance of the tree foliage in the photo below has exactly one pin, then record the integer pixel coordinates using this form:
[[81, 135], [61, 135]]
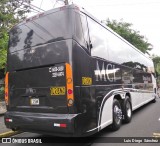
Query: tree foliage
[[132, 36], [156, 61], [11, 12]]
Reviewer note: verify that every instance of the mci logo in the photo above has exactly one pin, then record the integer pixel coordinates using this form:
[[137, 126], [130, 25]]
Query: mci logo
[[6, 140], [106, 73]]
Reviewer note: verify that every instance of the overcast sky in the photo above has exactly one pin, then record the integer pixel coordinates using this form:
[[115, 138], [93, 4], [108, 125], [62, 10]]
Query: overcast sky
[[143, 14]]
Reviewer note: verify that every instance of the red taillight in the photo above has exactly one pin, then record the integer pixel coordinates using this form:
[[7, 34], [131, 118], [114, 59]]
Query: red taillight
[[9, 120], [63, 125], [70, 91], [60, 125]]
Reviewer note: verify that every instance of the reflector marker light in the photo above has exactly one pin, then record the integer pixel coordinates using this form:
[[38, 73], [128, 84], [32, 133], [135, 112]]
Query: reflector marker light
[[6, 88], [9, 120], [69, 84], [60, 125], [70, 102]]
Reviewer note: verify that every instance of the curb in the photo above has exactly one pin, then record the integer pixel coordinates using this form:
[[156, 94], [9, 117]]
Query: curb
[[9, 134]]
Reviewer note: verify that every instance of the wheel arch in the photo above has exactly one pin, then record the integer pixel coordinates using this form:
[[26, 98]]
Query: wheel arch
[[118, 97], [129, 95], [121, 97]]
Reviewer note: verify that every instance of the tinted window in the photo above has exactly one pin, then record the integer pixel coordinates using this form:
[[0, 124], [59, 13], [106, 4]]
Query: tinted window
[[123, 53], [78, 30], [117, 51], [111, 47], [49, 28], [98, 39], [85, 30]]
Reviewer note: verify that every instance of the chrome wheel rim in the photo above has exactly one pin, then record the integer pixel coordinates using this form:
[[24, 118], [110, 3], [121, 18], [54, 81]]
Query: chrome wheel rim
[[117, 114]]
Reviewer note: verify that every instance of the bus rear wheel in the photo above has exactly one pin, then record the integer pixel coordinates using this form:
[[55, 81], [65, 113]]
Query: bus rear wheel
[[127, 110], [117, 115]]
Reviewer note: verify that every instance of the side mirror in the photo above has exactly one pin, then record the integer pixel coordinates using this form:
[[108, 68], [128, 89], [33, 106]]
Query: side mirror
[[91, 46]]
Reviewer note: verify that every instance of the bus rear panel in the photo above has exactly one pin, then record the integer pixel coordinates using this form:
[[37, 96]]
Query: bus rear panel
[[39, 82]]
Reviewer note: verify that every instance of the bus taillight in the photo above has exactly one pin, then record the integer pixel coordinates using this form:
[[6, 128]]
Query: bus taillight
[[6, 88], [70, 91], [9, 120], [60, 125], [69, 85]]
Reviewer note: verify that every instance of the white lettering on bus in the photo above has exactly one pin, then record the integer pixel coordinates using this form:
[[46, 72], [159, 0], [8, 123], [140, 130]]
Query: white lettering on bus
[[57, 71], [107, 73]]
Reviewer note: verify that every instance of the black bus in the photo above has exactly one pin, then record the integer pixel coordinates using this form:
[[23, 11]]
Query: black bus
[[69, 75]]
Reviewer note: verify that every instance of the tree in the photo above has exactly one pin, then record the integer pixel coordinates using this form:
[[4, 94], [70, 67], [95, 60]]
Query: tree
[[11, 12], [132, 36], [156, 61]]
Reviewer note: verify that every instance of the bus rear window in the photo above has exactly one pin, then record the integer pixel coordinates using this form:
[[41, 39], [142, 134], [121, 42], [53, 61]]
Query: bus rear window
[[52, 27]]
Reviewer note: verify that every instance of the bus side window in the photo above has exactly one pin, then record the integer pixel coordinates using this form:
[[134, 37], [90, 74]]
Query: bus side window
[[98, 37], [85, 30], [78, 30]]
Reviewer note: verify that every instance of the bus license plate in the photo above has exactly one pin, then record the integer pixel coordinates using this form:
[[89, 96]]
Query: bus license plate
[[34, 101]]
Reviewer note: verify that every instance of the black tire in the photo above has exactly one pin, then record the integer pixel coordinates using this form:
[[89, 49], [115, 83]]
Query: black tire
[[117, 115], [127, 110]]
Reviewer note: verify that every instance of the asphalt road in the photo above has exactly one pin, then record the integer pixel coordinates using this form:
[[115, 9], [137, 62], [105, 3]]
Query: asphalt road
[[145, 122]]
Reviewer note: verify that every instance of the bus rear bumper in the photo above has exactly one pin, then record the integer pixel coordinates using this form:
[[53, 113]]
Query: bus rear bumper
[[54, 124]]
